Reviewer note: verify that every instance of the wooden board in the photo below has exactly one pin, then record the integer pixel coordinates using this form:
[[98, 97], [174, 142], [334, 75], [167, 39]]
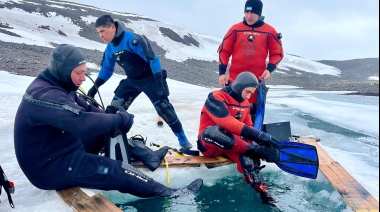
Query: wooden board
[[354, 194], [190, 161], [81, 202]]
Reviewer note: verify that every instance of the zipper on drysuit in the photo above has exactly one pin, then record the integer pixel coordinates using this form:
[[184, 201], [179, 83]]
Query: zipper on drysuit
[[46, 103]]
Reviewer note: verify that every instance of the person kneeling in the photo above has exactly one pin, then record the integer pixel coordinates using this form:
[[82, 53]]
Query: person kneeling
[[226, 129]]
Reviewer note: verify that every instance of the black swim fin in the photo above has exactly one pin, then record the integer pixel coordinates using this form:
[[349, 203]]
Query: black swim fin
[[298, 159], [190, 189]]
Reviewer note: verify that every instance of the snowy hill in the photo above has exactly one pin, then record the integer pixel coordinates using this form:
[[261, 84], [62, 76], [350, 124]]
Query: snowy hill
[[29, 29]]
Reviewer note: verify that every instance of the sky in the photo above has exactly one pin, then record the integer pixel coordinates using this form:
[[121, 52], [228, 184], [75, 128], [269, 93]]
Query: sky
[[315, 30]]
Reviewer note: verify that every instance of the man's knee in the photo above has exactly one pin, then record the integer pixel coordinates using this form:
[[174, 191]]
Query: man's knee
[[219, 137], [166, 111]]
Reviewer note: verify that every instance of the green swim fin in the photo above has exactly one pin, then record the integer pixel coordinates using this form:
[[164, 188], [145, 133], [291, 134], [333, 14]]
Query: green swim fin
[[298, 159]]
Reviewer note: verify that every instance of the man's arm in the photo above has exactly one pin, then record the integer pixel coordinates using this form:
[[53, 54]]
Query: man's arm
[[108, 65], [141, 46], [225, 51], [217, 110], [276, 52]]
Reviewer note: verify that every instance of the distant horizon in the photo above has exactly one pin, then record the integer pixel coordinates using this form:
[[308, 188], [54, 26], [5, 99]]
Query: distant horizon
[[328, 30], [351, 59], [334, 60], [287, 50]]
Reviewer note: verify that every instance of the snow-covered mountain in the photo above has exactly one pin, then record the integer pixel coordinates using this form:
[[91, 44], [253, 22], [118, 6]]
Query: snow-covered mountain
[[29, 29]]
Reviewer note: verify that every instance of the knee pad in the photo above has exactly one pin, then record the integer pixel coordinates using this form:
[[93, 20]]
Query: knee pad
[[217, 136], [166, 111], [200, 145]]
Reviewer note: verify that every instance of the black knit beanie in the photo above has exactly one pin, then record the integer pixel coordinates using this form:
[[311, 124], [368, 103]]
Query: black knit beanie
[[244, 80], [63, 60], [254, 6]]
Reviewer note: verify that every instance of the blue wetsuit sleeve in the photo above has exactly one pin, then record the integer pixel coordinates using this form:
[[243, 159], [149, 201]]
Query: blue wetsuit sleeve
[[155, 65], [141, 46], [108, 65]]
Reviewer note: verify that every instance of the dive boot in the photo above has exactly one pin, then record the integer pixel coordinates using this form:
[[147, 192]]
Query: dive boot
[[254, 178], [151, 159]]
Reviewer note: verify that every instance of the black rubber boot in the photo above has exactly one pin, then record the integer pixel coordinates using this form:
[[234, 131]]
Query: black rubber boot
[[255, 179], [151, 159], [189, 189]]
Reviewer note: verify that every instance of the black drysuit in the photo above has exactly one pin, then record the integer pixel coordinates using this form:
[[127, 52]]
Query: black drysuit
[[53, 130]]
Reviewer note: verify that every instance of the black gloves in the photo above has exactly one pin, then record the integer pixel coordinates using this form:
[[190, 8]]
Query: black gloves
[[127, 121], [268, 153], [126, 118], [160, 88], [94, 89], [260, 137], [266, 148], [118, 102]]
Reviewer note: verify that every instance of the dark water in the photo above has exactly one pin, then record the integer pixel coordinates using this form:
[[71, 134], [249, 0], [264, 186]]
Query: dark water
[[229, 194], [233, 194]]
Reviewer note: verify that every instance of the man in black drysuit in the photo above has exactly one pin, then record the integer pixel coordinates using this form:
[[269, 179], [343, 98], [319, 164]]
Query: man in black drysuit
[[57, 135]]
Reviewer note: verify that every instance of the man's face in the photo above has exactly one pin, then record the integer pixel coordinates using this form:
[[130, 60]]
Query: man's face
[[77, 75], [250, 17], [106, 33], [247, 92]]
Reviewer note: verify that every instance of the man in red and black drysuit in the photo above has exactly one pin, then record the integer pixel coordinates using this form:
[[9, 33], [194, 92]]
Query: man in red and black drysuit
[[250, 43], [226, 129]]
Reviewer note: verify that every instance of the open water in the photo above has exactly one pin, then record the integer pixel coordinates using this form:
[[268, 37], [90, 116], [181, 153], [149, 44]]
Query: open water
[[224, 189]]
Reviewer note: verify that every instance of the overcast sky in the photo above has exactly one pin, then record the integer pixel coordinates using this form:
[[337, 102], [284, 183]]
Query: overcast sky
[[317, 30]]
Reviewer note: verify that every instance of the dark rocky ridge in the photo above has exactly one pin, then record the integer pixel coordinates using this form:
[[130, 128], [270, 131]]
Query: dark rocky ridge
[[30, 59]]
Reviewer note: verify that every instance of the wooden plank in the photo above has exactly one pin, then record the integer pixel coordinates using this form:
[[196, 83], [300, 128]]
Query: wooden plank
[[353, 193], [81, 202], [190, 161]]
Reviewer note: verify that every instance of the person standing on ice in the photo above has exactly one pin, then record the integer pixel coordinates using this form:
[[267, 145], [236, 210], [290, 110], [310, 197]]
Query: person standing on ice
[[142, 66], [249, 43], [225, 128], [56, 135]]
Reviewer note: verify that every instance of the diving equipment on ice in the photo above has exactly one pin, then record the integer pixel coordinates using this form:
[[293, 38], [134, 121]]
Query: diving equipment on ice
[[135, 148]]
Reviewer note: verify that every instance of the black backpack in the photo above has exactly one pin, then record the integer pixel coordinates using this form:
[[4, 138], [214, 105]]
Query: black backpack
[[9, 187]]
